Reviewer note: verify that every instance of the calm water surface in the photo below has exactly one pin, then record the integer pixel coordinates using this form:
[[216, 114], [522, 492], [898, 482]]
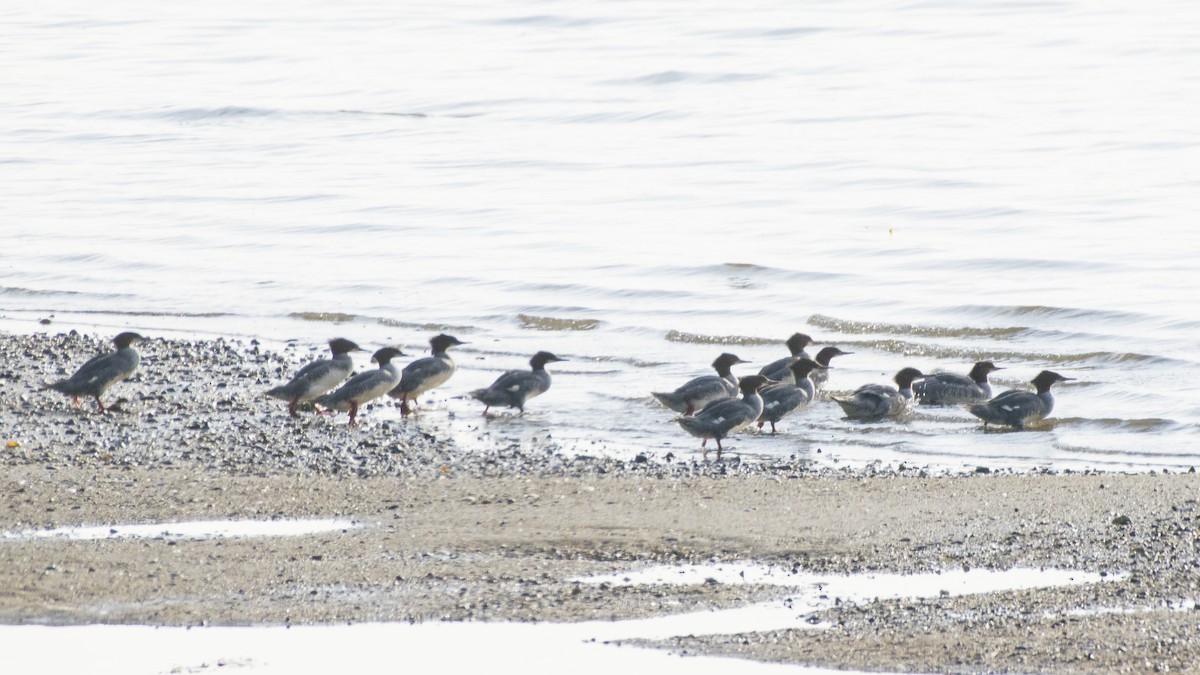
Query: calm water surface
[[636, 187]]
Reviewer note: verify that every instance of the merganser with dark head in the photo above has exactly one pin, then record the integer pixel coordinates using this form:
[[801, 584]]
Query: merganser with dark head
[[726, 416], [779, 370], [781, 399], [875, 401], [318, 377], [425, 374], [365, 386], [821, 376], [1017, 407], [950, 388], [699, 392], [515, 387], [103, 371]]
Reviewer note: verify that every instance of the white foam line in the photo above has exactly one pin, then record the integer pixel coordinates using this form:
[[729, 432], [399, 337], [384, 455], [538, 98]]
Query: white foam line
[[363, 649], [200, 529], [813, 593], [1167, 606], [857, 587]]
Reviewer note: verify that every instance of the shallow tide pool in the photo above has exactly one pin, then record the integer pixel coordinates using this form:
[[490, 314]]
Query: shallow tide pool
[[533, 648]]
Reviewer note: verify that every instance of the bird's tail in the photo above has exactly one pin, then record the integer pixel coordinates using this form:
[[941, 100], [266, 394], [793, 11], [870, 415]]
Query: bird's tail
[[671, 400], [847, 404], [692, 425], [980, 410]]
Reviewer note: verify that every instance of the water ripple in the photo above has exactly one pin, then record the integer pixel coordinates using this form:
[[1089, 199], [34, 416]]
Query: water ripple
[[696, 338], [850, 327], [669, 77], [914, 349]]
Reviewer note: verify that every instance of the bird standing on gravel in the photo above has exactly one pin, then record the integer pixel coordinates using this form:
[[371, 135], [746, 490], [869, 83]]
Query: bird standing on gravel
[[699, 392], [366, 386], [726, 416], [1017, 407], [103, 371], [318, 377], [425, 374], [515, 387], [875, 401]]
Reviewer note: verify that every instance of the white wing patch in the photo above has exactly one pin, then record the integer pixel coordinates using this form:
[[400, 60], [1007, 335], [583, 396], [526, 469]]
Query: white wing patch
[[515, 388]]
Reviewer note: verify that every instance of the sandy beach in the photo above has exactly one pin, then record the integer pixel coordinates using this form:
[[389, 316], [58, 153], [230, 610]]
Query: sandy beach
[[503, 536]]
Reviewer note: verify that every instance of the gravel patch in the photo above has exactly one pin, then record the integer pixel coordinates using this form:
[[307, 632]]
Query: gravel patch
[[501, 534]]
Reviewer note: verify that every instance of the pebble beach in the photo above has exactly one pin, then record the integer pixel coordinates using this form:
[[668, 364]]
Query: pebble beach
[[445, 533]]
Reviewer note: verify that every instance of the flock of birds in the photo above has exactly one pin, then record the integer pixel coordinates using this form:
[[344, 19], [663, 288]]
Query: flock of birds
[[315, 383], [712, 406]]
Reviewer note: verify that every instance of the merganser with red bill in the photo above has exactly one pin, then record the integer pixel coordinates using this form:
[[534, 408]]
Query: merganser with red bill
[[103, 371], [780, 400], [726, 416], [318, 377], [876, 401], [1018, 407], [699, 392], [426, 374], [515, 387], [366, 386], [951, 388], [779, 370]]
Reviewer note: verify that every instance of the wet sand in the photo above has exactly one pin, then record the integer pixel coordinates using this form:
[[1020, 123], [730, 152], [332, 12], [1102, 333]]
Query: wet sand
[[446, 534]]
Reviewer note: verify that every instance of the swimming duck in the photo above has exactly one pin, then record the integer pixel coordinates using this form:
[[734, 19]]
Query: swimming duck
[[1018, 407], [874, 401], [726, 416], [425, 374], [102, 371], [821, 376], [318, 377], [515, 387], [778, 370], [365, 386], [699, 392], [782, 398], [950, 388]]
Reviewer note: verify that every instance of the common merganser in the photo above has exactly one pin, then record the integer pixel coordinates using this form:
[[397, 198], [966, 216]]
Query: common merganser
[[1018, 407], [425, 374], [318, 377], [778, 370], [951, 388], [699, 392], [102, 371], [874, 401], [726, 416], [365, 386], [515, 387], [820, 377], [781, 399]]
